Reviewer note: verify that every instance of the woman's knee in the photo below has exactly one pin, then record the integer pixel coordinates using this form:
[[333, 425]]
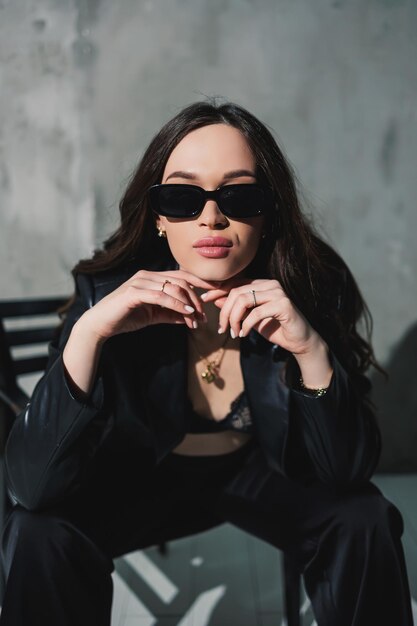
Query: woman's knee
[[363, 511], [47, 536], [37, 528]]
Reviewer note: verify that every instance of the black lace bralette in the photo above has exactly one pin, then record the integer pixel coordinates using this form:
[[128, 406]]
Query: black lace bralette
[[238, 418]]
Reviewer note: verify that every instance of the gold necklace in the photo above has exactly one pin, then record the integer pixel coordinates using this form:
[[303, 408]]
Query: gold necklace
[[212, 367]]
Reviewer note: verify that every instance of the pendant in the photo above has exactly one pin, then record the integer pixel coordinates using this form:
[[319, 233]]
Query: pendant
[[209, 374]]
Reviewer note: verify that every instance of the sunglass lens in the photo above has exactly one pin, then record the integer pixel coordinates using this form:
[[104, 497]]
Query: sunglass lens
[[242, 200], [176, 201]]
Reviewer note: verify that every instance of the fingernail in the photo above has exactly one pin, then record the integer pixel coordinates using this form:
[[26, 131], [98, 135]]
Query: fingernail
[[204, 295], [232, 332], [187, 307], [195, 324], [241, 333], [220, 330]]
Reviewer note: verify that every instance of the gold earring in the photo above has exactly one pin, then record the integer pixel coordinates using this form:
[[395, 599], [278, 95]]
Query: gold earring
[[161, 232]]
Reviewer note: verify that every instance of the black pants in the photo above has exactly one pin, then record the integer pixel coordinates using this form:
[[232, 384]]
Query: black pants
[[59, 561]]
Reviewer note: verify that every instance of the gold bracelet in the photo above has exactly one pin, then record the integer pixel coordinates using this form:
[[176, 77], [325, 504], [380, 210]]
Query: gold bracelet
[[316, 393]]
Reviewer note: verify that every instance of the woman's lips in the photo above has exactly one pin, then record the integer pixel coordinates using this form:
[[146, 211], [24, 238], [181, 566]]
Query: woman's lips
[[215, 252], [212, 241], [214, 247]]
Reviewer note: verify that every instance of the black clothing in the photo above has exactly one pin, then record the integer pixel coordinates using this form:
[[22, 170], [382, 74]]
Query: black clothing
[[347, 545], [140, 395], [95, 477], [238, 418]]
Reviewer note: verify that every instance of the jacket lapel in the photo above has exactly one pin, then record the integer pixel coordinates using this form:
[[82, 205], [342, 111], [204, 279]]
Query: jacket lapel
[[263, 366], [262, 369], [166, 385], [165, 380]]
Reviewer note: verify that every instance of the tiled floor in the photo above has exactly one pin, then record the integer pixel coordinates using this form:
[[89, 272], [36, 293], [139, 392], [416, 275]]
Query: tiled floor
[[225, 577]]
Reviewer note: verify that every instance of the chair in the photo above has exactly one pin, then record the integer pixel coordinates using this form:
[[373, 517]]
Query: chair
[[24, 333], [14, 339]]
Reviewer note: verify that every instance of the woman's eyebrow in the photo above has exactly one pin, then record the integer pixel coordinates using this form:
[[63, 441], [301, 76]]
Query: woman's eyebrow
[[227, 176]]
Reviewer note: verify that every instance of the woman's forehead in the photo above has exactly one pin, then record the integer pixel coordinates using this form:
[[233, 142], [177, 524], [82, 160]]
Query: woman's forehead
[[211, 148]]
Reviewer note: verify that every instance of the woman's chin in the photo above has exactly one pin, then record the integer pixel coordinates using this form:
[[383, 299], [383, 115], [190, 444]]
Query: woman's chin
[[207, 274]]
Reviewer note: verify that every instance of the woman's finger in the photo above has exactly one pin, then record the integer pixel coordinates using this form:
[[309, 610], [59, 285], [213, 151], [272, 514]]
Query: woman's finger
[[188, 276], [242, 298], [213, 294], [191, 279], [177, 287], [137, 296], [242, 307], [225, 288], [268, 311]]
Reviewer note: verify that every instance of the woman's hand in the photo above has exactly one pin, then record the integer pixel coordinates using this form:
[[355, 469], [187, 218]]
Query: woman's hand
[[137, 303], [140, 302], [277, 319]]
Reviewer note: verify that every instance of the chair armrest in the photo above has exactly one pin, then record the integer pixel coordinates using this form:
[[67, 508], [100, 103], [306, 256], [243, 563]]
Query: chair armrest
[[10, 403]]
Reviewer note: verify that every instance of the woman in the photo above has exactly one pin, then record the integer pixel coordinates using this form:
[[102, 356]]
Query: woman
[[209, 369]]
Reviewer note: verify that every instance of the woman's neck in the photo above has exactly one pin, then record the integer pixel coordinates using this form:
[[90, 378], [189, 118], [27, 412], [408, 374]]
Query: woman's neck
[[206, 335]]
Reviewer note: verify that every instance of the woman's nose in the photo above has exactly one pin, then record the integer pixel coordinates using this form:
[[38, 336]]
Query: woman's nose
[[211, 214]]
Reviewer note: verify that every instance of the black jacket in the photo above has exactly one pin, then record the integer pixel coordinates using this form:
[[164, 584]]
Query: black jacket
[[138, 401]]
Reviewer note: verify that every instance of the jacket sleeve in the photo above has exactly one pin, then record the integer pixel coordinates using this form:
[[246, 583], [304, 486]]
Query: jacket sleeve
[[57, 433], [338, 431]]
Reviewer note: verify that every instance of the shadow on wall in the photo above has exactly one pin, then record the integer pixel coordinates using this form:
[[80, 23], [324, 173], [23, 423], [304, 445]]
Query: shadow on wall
[[396, 402]]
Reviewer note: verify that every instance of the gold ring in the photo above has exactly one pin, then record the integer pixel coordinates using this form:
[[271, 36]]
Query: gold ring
[[164, 283], [252, 291]]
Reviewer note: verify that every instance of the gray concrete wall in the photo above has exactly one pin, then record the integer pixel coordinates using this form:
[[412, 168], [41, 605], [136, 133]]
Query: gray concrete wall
[[46, 187], [85, 85]]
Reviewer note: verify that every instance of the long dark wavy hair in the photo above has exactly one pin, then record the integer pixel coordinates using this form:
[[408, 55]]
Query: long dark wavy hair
[[311, 273]]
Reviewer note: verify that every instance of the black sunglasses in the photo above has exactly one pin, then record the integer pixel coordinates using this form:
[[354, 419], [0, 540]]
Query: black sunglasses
[[189, 200]]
